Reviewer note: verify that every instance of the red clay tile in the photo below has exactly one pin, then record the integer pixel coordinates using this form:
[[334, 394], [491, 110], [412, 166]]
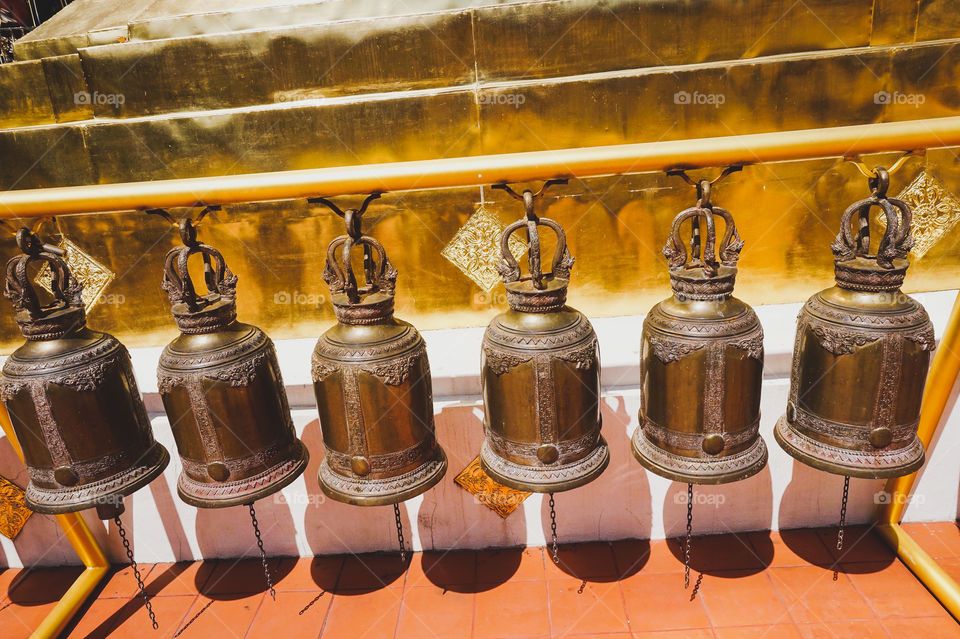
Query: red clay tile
[[659, 602], [938, 540], [893, 591], [659, 560], [700, 633], [630, 555], [860, 544], [363, 614], [516, 564], [240, 577], [843, 630], [811, 595], [294, 615], [7, 576], [952, 566], [939, 627], [713, 553], [118, 617], [123, 583], [42, 585], [796, 548], [183, 578], [221, 618], [593, 562], [514, 609], [372, 571], [779, 631], [18, 622], [727, 600], [443, 569], [309, 574], [429, 612], [948, 532], [577, 607]]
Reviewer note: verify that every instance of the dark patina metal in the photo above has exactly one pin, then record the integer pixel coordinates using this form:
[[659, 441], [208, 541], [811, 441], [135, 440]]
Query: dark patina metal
[[72, 397], [222, 390], [701, 362], [861, 354], [541, 374], [372, 381]]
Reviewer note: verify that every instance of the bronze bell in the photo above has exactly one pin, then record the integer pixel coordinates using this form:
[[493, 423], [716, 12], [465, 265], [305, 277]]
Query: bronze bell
[[861, 354], [221, 388], [541, 374], [701, 366], [72, 397], [372, 381]]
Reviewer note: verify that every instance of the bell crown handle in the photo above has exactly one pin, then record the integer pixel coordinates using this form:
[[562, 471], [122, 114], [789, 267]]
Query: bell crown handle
[[704, 252], [562, 260], [897, 239], [67, 290], [379, 274], [220, 281]]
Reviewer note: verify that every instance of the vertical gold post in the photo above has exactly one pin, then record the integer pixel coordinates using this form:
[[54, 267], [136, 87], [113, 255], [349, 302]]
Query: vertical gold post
[[87, 549]]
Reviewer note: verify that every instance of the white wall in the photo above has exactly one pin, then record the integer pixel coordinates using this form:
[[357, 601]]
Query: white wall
[[625, 501]]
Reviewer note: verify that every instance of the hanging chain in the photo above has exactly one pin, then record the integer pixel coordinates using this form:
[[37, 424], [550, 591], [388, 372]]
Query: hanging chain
[[136, 571], [686, 545], [263, 554], [553, 532], [403, 548], [843, 521]]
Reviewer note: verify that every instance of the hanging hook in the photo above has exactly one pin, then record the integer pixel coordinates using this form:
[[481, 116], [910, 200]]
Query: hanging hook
[[186, 226], [351, 217], [682, 173], [872, 173], [528, 197]]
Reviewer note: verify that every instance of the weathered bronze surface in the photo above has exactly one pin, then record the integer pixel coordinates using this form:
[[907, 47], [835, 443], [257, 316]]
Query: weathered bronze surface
[[861, 354], [222, 390], [540, 374], [72, 397], [372, 382], [701, 363]]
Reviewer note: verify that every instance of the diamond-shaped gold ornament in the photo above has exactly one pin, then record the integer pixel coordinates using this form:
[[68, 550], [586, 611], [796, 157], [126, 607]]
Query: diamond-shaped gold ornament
[[13, 509], [475, 248], [495, 496], [94, 276], [935, 211]]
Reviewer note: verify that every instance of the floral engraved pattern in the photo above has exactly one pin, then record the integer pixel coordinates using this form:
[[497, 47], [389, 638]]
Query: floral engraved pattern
[[840, 341], [935, 212], [497, 497], [94, 276], [475, 248], [668, 350], [13, 509]]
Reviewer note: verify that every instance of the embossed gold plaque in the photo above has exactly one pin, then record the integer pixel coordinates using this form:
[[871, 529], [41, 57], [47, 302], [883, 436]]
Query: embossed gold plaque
[[94, 276], [13, 509], [475, 248], [935, 211], [497, 497]]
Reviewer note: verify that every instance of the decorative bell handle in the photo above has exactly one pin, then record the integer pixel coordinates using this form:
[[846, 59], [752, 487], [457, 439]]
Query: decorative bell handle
[[562, 260], [379, 274], [729, 250], [177, 282], [67, 290], [897, 239]]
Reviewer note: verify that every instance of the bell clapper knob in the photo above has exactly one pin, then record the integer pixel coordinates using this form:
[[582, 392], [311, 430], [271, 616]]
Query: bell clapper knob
[[263, 554], [843, 520], [554, 548], [687, 546], [403, 548], [117, 508]]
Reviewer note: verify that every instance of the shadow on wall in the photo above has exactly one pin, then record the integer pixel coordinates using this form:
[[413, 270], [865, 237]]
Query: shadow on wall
[[616, 505]]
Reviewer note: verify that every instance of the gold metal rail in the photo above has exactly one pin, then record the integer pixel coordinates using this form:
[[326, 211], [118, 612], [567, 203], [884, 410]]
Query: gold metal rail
[[585, 162], [843, 141], [86, 547]]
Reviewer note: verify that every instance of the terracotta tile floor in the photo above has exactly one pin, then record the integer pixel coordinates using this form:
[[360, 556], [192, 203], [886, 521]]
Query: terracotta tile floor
[[754, 585]]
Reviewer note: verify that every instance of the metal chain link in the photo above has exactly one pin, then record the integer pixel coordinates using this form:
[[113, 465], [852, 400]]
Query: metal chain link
[[263, 554], [686, 545], [553, 532], [843, 521], [136, 571], [403, 548]]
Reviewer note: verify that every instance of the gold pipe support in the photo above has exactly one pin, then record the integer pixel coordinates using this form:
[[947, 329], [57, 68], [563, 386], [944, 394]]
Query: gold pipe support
[[842, 141], [86, 547], [923, 566]]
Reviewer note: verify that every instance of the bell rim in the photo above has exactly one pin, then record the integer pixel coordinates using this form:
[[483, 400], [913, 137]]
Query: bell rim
[[158, 458], [434, 469], [285, 478], [751, 461], [596, 462], [835, 468]]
